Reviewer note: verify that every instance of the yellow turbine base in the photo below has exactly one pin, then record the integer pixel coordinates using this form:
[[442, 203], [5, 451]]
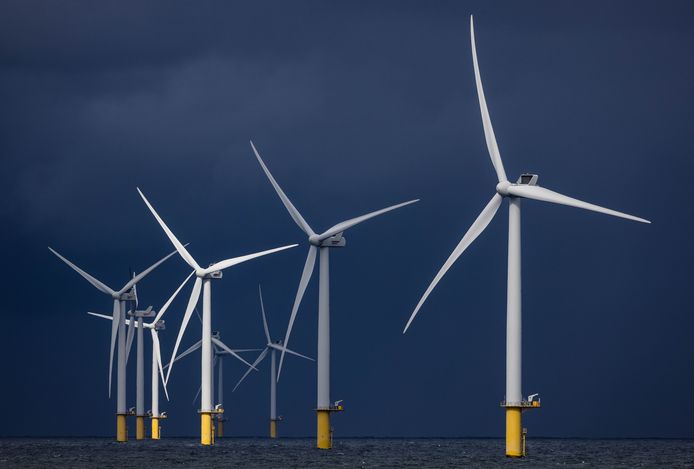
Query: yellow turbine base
[[220, 428], [324, 437], [206, 429], [139, 428], [514, 432], [155, 428], [273, 428], [121, 428]]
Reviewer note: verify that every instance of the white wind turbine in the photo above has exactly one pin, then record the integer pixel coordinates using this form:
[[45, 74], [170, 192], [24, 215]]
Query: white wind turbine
[[203, 278], [331, 238], [273, 347], [117, 330], [219, 349], [525, 188], [154, 327]]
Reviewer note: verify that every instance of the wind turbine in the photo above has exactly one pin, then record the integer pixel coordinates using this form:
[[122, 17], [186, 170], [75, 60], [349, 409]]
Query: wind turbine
[[117, 330], [273, 347], [331, 238], [158, 324], [219, 349], [219, 354], [204, 277], [525, 188]]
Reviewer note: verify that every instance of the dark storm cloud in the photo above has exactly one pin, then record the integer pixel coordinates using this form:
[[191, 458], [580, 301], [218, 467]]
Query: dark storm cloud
[[355, 106]]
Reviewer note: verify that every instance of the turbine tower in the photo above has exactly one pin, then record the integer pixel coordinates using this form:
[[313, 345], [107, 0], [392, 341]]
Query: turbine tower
[[154, 327], [525, 188], [203, 281], [273, 347], [117, 331], [331, 238]]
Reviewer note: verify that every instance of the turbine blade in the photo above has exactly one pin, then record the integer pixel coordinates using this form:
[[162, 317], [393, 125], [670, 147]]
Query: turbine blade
[[194, 296], [157, 354], [231, 352], [170, 300], [98, 315], [187, 352], [342, 226], [129, 338], [143, 274], [137, 301], [197, 394], [177, 244], [255, 363], [106, 316], [238, 260], [197, 313], [96, 283], [546, 195], [114, 334], [291, 352], [489, 136], [303, 283], [293, 212], [472, 233], [262, 310]]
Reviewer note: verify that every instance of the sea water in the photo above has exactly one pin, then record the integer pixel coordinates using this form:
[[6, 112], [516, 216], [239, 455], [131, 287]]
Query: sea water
[[357, 453]]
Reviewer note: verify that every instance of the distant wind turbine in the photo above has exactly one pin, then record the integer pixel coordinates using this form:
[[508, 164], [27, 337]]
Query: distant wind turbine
[[117, 330], [331, 238], [220, 350], [154, 327], [272, 347], [204, 277]]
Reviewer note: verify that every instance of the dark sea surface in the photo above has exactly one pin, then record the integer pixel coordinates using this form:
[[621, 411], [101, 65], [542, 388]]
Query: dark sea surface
[[368, 452]]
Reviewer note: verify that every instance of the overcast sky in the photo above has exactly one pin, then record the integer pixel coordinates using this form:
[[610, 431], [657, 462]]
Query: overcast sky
[[354, 106]]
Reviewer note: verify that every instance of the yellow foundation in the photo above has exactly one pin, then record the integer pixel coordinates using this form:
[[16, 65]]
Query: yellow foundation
[[514, 432], [273, 428], [155, 428], [220, 428], [206, 430], [324, 437], [121, 428], [139, 428]]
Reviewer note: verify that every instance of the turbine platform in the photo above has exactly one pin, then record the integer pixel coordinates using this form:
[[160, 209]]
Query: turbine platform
[[213, 411], [522, 404], [332, 408]]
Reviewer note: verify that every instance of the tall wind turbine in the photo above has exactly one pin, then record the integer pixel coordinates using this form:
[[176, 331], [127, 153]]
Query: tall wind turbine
[[204, 277], [331, 238], [117, 330], [525, 188], [154, 327], [273, 347]]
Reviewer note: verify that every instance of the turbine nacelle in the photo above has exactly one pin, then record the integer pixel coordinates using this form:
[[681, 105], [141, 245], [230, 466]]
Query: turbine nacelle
[[525, 179], [127, 296], [205, 273], [335, 241], [147, 313]]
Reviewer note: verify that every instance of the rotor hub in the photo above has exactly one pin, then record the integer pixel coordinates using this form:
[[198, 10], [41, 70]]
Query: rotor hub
[[502, 188]]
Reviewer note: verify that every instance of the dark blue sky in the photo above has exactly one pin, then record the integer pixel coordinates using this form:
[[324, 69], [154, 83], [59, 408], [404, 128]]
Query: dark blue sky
[[354, 106]]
